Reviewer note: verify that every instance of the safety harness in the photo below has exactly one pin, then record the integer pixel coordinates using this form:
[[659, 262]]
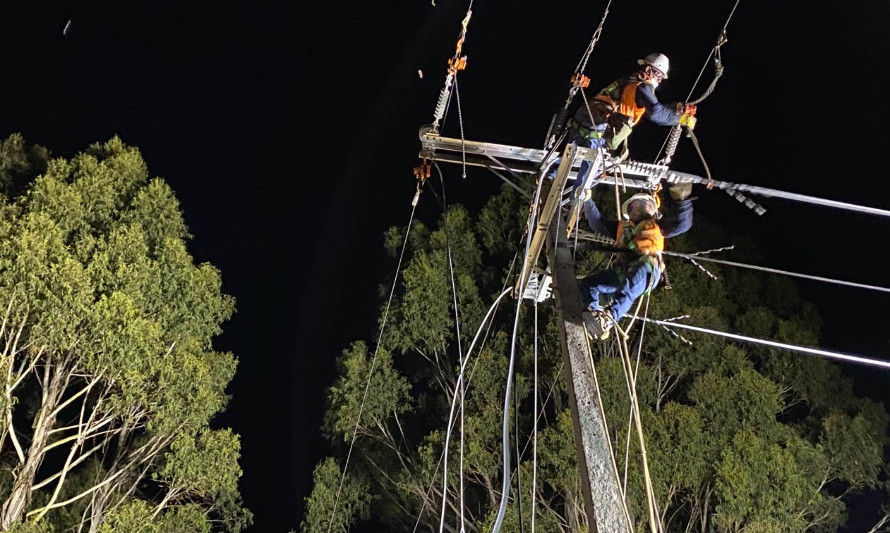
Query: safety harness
[[647, 240]]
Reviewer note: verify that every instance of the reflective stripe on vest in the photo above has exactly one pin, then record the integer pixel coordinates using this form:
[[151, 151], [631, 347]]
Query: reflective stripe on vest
[[628, 106]]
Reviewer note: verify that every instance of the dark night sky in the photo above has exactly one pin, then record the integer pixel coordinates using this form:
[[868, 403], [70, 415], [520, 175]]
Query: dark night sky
[[289, 133]]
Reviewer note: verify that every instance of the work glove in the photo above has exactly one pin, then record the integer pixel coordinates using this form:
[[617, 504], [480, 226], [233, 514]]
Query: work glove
[[687, 120], [680, 191]]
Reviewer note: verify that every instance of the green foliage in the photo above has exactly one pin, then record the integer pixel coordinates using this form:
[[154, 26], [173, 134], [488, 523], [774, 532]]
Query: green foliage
[[739, 437], [763, 486], [101, 299], [352, 499], [388, 391], [203, 465]]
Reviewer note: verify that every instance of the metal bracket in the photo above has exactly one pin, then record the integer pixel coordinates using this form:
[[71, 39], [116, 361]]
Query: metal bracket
[[538, 286]]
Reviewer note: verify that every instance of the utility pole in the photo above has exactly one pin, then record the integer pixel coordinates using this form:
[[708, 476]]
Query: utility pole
[[603, 498]]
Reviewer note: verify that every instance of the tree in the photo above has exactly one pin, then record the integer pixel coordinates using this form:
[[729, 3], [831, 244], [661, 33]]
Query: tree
[[739, 437], [106, 327]]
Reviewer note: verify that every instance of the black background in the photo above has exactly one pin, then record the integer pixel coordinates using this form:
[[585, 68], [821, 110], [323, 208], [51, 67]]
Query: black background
[[289, 130]]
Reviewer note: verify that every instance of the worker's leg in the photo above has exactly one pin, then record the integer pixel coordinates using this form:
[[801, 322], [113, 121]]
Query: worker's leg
[[616, 134], [575, 137], [602, 282], [634, 285]]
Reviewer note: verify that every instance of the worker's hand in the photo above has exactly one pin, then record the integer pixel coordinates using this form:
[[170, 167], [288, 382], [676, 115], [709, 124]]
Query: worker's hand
[[688, 121], [690, 109], [680, 191]]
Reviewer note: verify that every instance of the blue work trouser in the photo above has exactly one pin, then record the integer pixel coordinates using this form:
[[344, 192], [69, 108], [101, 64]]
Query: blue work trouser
[[621, 287]]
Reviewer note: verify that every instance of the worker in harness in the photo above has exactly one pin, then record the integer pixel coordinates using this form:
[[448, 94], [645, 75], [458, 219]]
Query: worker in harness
[[611, 115], [609, 294], [615, 110]]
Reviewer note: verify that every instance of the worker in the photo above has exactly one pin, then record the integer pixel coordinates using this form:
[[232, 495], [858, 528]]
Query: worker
[[609, 294], [612, 113], [615, 110]]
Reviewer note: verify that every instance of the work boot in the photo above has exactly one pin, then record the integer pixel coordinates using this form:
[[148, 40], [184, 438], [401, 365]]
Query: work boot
[[597, 324]]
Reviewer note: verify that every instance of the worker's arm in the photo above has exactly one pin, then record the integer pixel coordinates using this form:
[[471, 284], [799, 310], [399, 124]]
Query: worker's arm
[[597, 222], [677, 215], [661, 114]]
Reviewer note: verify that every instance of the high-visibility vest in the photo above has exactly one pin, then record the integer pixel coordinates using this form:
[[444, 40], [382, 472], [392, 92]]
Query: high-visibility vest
[[645, 237], [628, 106], [626, 97]]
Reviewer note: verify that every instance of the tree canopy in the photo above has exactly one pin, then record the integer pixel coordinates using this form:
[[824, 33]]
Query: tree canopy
[[110, 377], [739, 437]]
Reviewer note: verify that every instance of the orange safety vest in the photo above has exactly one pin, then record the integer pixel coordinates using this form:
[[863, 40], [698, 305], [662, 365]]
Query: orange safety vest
[[646, 237], [627, 105]]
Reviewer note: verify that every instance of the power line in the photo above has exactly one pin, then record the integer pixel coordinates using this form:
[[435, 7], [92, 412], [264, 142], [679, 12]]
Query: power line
[[601, 242], [777, 271], [869, 361], [361, 408]]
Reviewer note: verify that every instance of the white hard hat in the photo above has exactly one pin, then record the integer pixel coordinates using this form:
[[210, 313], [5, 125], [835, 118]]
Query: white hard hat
[[639, 207], [659, 61]]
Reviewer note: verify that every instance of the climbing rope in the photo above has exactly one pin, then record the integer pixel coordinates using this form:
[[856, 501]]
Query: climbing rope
[[599, 403], [630, 377], [870, 361], [361, 408], [634, 383]]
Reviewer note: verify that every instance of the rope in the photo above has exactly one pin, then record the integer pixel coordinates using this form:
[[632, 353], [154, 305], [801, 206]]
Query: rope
[[634, 376], [652, 506], [460, 357], [701, 156], [869, 361], [605, 425], [361, 408], [721, 40]]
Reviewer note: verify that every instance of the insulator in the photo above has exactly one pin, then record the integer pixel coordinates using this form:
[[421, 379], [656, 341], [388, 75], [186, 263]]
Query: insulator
[[444, 95], [673, 141]]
